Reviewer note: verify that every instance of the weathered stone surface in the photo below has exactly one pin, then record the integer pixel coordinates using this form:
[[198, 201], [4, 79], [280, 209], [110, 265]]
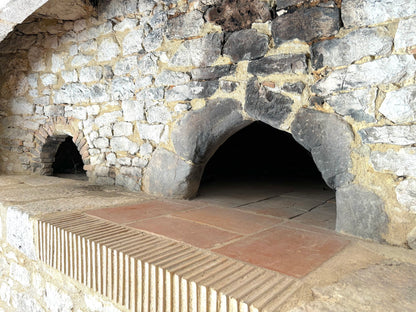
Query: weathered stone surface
[[198, 135], [380, 287], [72, 93], [90, 74], [122, 128], [158, 114], [296, 87], [153, 40], [107, 118], [401, 163], [368, 12], [398, 135], [99, 93], [211, 73], [228, 86], [69, 76], [125, 24], [20, 274], [246, 44], [281, 4], [127, 65], [236, 15], [20, 232], [132, 42], [133, 110], [198, 52], [169, 176], [278, 64], [48, 79], [24, 302], [329, 140], [122, 88], [58, 60], [171, 78], [148, 64], [393, 69], [21, 106], [113, 8], [406, 195], [185, 25], [192, 90], [411, 239], [150, 132], [360, 212], [107, 50], [56, 300], [80, 60], [404, 35], [151, 94], [73, 111], [123, 144], [265, 105], [351, 48], [400, 106], [359, 104], [306, 24]]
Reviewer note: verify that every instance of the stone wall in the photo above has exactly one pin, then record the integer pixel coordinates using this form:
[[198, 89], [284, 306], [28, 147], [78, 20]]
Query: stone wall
[[150, 89]]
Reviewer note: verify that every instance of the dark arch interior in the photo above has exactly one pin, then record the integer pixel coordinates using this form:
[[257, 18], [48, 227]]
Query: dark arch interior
[[262, 152], [265, 171], [68, 160]]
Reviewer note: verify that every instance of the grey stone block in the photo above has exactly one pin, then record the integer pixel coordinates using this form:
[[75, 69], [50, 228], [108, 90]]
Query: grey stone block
[[185, 25], [281, 4], [153, 40], [351, 48], [265, 105], [296, 87], [398, 135], [198, 135], [168, 175], [171, 78], [329, 140], [393, 69], [278, 64], [132, 42], [246, 44], [211, 73], [192, 90], [368, 12], [306, 24], [113, 8], [361, 213], [400, 106]]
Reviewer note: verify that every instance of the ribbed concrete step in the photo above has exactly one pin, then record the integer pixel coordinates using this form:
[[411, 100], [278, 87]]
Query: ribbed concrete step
[[145, 272]]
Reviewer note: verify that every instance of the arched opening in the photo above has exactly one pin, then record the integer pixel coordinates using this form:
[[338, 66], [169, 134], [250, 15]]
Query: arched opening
[[61, 158], [265, 171]]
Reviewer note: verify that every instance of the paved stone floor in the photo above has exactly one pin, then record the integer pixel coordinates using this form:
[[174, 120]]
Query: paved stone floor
[[285, 227]]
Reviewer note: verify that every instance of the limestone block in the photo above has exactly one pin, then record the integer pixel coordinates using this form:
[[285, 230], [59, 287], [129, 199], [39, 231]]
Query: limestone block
[[101, 143], [406, 194], [185, 25], [368, 12], [158, 114], [132, 42], [150, 132], [353, 47], [72, 93], [401, 163], [5, 293], [146, 6], [112, 8], [21, 106], [198, 52], [265, 105], [159, 20], [151, 94], [146, 149], [192, 90], [306, 24], [328, 138], [211, 73], [99, 93], [171, 78], [133, 110], [400, 106], [278, 64], [19, 230], [393, 69], [56, 300], [107, 118], [246, 44], [198, 135], [405, 33], [148, 64], [77, 112], [93, 110], [69, 76], [82, 60], [88, 46], [90, 74], [105, 131], [139, 162], [398, 135], [169, 176], [53, 110], [360, 212], [122, 144], [153, 40], [20, 274], [95, 32], [359, 104], [122, 88], [122, 128], [24, 302], [107, 50], [143, 82]]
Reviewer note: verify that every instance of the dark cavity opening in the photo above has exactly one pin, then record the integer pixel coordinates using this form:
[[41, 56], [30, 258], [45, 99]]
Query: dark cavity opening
[[265, 171], [68, 160]]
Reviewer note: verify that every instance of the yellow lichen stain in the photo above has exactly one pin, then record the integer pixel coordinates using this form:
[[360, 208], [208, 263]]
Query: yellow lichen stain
[[263, 28]]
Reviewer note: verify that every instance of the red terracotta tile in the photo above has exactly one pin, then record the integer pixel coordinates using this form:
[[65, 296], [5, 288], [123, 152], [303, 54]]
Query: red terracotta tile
[[229, 219], [193, 233], [287, 250], [150, 209]]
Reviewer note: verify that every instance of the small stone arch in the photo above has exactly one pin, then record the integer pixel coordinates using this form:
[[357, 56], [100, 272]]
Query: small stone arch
[[48, 138]]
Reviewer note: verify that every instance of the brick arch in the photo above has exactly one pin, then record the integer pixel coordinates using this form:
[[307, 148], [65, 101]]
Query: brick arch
[[48, 138]]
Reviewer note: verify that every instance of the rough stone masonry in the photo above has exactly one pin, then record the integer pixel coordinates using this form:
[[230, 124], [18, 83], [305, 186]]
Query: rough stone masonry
[[149, 89]]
